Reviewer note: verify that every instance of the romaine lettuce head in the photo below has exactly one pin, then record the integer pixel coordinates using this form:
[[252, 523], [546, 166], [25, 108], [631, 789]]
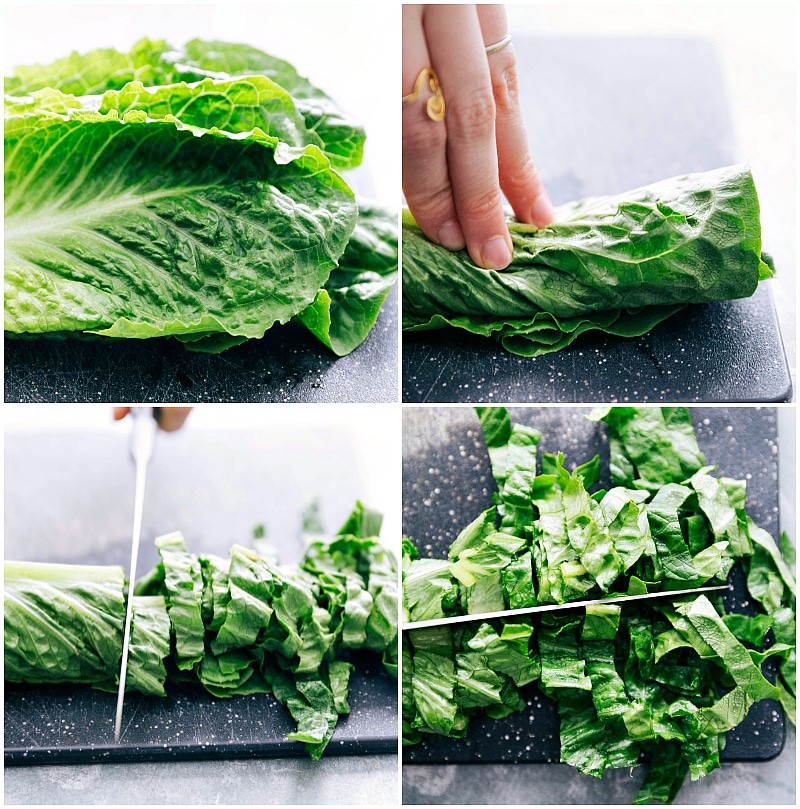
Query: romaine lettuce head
[[190, 193]]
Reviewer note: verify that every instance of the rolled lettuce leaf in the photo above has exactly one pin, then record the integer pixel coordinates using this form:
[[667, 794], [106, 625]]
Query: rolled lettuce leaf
[[62, 623], [619, 264]]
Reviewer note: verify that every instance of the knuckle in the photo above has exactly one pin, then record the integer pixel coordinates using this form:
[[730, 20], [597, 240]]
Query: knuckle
[[473, 117], [505, 85], [430, 207], [521, 175], [481, 206], [422, 136]]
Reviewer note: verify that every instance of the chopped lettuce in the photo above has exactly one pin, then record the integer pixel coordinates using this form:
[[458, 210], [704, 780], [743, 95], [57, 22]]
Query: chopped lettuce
[[666, 678], [242, 626]]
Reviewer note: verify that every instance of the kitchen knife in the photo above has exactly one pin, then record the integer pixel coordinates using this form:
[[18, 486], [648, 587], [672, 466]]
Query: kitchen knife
[[143, 435], [485, 616]]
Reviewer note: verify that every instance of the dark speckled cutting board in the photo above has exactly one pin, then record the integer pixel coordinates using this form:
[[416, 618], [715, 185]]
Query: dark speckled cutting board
[[605, 116], [70, 724], [288, 364], [447, 482]]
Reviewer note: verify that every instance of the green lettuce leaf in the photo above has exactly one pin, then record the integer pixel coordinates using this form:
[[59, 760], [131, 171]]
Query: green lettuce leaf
[[154, 231], [346, 308], [155, 62], [342, 138], [618, 264], [183, 587], [161, 228], [149, 646]]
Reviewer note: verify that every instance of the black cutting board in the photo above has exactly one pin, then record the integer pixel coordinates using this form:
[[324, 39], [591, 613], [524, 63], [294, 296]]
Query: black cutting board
[[447, 482], [605, 116], [288, 364], [68, 498], [71, 724]]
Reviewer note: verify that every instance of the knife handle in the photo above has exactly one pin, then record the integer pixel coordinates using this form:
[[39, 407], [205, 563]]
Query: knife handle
[[143, 435]]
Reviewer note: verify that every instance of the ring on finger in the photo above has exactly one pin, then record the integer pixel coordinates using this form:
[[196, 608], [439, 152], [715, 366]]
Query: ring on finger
[[434, 104], [499, 45]]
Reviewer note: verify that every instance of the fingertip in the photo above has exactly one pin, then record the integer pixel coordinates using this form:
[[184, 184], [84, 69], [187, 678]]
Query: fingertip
[[172, 418], [495, 253], [451, 237], [542, 212]]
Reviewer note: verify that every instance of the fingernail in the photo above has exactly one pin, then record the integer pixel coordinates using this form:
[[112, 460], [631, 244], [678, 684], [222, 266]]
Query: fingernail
[[542, 212], [495, 254], [451, 237]]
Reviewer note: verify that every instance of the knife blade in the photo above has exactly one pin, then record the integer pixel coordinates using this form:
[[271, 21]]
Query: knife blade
[[143, 434], [485, 616]]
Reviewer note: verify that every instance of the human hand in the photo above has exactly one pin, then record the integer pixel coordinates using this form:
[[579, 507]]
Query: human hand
[[169, 418], [454, 169]]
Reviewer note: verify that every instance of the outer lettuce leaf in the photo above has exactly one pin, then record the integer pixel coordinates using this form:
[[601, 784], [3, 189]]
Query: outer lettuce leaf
[[158, 63], [665, 776], [433, 683], [508, 652], [251, 585], [712, 496], [136, 228], [234, 105], [346, 308], [429, 589], [618, 264], [342, 138], [94, 72], [673, 559], [702, 626], [312, 706]]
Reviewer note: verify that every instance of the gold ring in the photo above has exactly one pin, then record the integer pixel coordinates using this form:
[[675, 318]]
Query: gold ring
[[434, 104]]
